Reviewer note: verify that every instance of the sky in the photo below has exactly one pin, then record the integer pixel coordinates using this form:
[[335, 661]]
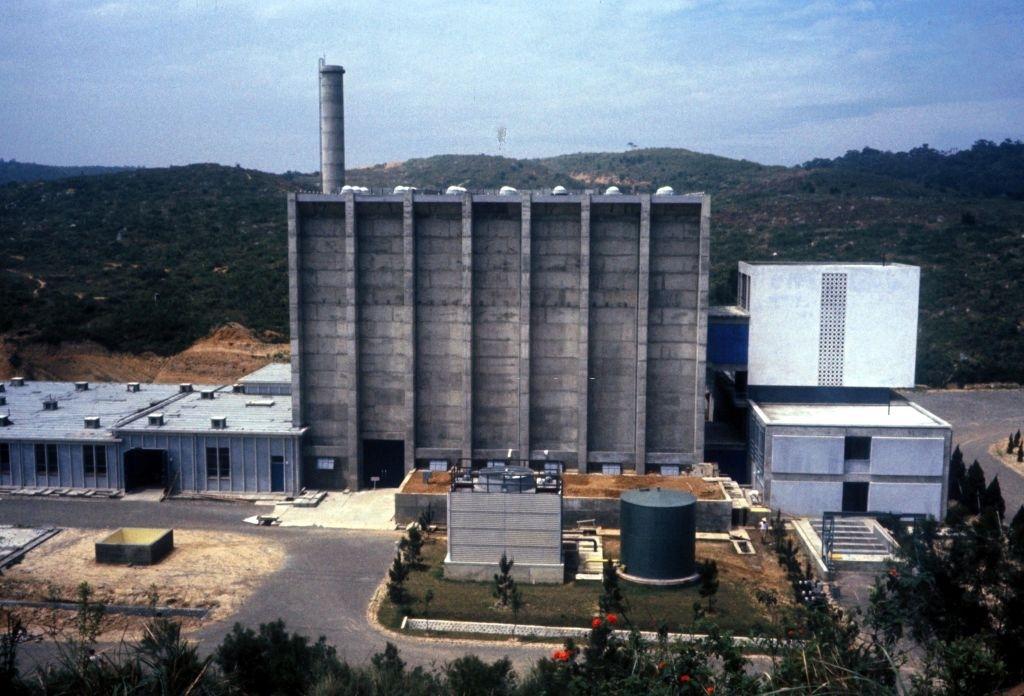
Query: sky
[[167, 82]]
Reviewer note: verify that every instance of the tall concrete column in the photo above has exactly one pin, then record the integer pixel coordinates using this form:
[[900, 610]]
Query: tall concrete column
[[409, 300], [294, 311], [332, 127], [524, 329], [700, 368], [353, 442], [643, 292], [583, 337], [466, 325]]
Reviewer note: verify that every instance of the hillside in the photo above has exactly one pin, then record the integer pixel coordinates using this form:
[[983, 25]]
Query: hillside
[[153, 260], [12, 170]]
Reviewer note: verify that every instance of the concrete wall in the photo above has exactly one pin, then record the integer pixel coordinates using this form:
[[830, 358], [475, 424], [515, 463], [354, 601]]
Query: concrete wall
[[807, 454], [806, 498], [878, 348], [917, 456], [712, 515], [924, 498], [471, 325]]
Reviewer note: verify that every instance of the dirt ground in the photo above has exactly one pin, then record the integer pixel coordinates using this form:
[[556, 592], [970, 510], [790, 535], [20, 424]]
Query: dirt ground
[[222, 357], [589, 485], [206, 569]]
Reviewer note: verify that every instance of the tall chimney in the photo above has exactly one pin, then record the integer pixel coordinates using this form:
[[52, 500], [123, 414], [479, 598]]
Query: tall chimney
[[332, 127]]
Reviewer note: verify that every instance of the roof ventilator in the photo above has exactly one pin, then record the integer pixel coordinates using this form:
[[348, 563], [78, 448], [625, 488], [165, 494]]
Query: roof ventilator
[[81, 386], [260, 402], [238, 388], [206, 394], [185, 388], [49, 404], [156, 419], [665, 191], [134, 387], [5, 420], [92, 422], [3, 400], [219, 422], [17, 381]]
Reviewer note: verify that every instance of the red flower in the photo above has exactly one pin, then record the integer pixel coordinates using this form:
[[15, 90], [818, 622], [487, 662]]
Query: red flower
[[661, 666], [595, 622], [710, 690], [684, 678], [612, 619], [560, 656]]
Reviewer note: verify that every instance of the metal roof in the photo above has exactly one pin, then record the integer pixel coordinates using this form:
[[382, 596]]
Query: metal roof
[[897, 414], [111, 402], [658, 497], [274, 373], [245, 414]]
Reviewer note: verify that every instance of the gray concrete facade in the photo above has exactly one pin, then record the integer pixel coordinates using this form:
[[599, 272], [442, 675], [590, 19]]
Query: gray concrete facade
[[468, 325]]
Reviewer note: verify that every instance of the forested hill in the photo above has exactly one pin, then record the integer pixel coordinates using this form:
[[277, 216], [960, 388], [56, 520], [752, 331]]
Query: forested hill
[[153, 259]]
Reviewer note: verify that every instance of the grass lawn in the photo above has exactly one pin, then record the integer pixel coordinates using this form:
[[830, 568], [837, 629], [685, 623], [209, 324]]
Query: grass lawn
[[573, 604]]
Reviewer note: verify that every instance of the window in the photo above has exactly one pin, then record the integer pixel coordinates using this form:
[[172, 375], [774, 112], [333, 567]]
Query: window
[[5, 459], [744, 291], [46, 460], [325, 463], [218, 462], [94, 460], [438, 465], [670, 470], [858, 448], [611, 469]]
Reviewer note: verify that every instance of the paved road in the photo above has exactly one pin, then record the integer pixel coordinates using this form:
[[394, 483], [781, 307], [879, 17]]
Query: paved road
[[324, 587], [980, 418]]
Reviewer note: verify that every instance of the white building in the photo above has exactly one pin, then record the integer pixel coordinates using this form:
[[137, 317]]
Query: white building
[[828, 344]]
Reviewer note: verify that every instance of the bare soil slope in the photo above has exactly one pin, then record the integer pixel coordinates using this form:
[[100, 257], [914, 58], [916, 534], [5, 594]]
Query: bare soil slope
[[222, 357]]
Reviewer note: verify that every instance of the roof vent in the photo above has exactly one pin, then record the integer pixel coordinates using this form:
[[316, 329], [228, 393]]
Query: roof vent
[[92, 422], [81, 386], [2, 388], [5, 420], [403, 189], [507, 191], [17, 381], [156, 419], [665, 191], [219, 422], [134, 387], [3, 400], [612, 191], [347, 187], [454, 190], [49, 404], [185, 388], [206, 394], [260, 402], [559, 191], [238, 388]]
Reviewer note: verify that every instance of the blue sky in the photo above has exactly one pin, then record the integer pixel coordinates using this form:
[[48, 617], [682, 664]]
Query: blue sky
[[158, 82]]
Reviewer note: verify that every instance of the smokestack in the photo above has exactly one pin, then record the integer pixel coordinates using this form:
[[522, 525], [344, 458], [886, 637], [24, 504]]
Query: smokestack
[[332, 127]]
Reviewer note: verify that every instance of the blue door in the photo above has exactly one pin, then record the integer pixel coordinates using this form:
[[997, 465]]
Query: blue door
[[277, 474]]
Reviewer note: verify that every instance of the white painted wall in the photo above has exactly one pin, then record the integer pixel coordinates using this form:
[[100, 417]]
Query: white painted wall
[[881, 323], [908, 456], [807, 498], [923, 498], [797, 454]]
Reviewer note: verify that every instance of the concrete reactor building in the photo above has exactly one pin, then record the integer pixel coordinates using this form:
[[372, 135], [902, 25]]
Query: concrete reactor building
[[492, 326]]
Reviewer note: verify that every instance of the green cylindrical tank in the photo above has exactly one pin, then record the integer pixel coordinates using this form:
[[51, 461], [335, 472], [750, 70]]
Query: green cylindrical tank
[[659, 530]]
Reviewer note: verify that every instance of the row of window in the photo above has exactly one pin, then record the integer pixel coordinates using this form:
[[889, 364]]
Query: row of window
[[94, 459]]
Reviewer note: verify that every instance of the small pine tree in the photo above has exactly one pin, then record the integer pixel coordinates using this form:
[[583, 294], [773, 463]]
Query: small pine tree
[[413, 543], [1010, 445], [397, 574], [1020, 453], [709, 582], [515, 602], [611, 600], [993, 498], [503, 582], [957, 473], [974, 487], [1016, 437]]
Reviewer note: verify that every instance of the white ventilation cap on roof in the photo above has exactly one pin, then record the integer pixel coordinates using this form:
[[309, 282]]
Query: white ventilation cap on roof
[[507, 191], [665, 191], [453, 190], [612, 191], [559, 191], [403, 189]]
